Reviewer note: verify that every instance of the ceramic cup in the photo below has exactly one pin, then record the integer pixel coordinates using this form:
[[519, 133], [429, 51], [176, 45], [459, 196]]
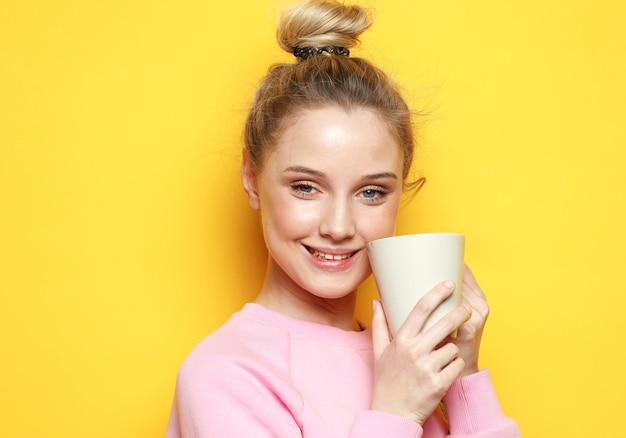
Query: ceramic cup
[[407, 267]]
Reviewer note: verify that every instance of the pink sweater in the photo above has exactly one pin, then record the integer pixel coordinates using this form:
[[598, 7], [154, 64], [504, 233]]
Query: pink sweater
[[263, 374]]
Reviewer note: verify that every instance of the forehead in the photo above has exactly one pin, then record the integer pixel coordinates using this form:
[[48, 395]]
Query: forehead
[[333, 136]]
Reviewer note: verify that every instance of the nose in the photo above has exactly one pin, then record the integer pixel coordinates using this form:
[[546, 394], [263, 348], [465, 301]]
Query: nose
[[338, 220]]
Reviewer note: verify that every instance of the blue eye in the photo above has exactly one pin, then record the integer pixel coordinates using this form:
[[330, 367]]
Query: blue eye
[[373, 195], [305, 188], [370, 193]]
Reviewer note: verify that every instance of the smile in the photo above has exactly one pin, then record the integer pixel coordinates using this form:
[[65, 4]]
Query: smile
[[326, 256]]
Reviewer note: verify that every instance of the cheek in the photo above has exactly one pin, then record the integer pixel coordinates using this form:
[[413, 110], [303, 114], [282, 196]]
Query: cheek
[[383, 224], [282, 216]]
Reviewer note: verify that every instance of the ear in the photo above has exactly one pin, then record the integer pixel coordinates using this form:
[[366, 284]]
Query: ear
[[248, 178]]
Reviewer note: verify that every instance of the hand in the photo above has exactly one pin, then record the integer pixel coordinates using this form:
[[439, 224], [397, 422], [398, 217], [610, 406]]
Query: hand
[[414, 371], [470, 333]]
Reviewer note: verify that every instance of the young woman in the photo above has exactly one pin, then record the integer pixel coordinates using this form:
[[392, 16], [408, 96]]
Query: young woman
[[328, 148]]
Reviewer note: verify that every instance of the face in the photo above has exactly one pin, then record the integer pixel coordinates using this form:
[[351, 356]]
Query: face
[[331, 184]]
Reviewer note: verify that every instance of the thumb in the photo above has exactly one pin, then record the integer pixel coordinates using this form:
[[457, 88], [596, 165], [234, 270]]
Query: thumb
[[380, 332]]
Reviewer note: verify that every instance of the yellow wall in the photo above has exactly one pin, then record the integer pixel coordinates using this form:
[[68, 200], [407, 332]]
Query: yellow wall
[[126, 238]]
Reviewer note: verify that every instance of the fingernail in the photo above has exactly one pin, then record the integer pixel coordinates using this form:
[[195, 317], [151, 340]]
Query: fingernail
[[449, 284]]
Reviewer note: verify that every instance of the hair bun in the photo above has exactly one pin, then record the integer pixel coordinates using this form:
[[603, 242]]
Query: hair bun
[[321, 23]]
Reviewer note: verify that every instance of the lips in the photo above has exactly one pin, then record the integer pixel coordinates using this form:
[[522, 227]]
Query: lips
[[328, 256]]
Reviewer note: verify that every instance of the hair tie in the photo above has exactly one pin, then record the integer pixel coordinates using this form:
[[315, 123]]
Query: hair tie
[[303, 53]]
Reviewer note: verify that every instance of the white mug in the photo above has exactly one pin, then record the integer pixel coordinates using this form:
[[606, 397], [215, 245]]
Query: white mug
[[407, 267]]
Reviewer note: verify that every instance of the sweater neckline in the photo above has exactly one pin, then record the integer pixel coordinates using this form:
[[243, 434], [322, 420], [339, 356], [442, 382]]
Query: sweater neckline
[[326, 333]]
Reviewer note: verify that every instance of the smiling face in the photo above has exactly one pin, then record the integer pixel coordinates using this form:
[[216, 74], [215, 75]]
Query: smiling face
[[332, 183]]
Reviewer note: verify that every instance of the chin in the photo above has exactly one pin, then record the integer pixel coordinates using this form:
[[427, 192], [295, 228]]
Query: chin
[[333, 288]]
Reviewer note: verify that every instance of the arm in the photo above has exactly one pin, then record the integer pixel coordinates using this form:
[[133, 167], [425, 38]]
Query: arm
[[470, 333], [417, 368], [413, 371], [376, 424], [471, 401], [473, 409]]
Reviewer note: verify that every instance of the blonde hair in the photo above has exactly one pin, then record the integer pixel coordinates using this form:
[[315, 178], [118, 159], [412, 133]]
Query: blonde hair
[[325, 79]]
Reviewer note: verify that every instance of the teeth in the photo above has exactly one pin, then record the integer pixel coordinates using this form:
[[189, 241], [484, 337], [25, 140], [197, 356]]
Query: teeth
[[321, 255]]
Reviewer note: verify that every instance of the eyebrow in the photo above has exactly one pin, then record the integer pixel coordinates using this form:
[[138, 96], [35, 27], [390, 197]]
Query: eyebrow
[[309, 171], [303, 169], [381, 175]]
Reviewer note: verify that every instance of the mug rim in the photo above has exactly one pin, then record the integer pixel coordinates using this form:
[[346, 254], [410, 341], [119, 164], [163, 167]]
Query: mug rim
[[382, 239]]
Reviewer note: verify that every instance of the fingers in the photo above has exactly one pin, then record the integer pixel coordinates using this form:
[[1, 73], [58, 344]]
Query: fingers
[[453, 370], [473, 295], [470, 284], [451, 322], [380, 333], [444, 356], [480, 308], [416, 320]]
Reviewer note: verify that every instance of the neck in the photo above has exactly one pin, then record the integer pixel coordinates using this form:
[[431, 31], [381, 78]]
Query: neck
[[281, 294]]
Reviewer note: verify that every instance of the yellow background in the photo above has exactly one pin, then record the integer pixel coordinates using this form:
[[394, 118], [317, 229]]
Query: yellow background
[[125, 237]]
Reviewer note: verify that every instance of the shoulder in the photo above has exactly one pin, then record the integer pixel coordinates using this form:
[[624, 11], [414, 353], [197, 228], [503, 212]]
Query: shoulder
[[243, 364], [244, 348]]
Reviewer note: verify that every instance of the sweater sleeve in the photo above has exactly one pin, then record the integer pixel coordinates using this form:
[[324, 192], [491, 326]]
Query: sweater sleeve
[[375, 424], [474, 411]]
